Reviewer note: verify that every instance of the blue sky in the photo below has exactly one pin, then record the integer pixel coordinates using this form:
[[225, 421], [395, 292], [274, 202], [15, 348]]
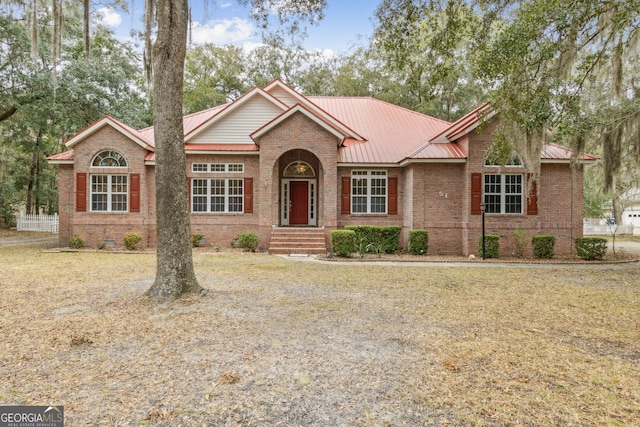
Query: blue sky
[[228, 22]]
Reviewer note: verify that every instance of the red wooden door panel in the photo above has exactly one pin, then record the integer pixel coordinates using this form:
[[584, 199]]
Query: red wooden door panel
[[299, 208]]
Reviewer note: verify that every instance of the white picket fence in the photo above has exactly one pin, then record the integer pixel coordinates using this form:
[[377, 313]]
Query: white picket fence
[[42, 223]]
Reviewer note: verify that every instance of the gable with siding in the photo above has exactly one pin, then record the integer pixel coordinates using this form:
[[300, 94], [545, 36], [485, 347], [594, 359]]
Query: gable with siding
[[236, 127]]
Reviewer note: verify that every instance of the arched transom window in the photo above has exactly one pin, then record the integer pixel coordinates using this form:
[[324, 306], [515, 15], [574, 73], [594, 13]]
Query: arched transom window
[[109, 159], [299, 169]]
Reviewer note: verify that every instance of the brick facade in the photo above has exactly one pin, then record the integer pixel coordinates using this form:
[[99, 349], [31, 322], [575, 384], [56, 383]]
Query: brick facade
[[432, 194], [99, 227]]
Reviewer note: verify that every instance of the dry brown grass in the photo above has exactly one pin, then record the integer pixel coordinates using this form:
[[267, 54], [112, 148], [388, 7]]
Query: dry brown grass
[[281, 342]]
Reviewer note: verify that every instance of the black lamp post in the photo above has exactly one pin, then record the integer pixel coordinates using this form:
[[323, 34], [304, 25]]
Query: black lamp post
[[483, 208]]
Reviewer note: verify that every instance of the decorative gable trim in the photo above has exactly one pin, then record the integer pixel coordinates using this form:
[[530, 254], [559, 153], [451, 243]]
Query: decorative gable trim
[[466, 124], [298, 108], [302, 100], [127, 131]]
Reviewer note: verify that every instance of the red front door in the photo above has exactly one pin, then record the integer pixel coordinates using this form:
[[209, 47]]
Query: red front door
[[299, 207]]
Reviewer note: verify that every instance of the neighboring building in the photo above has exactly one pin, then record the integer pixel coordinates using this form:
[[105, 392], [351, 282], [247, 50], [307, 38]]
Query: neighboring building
[[274, 159], [631, 213]]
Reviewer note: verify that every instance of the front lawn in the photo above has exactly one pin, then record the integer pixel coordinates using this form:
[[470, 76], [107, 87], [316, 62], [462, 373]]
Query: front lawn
[[282, 342]]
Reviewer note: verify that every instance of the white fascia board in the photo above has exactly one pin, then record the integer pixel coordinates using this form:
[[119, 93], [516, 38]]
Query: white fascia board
[[567, 162], [60, 162], [230, 152], [368, 165], [409, 161], [99, 125], [297, 108]]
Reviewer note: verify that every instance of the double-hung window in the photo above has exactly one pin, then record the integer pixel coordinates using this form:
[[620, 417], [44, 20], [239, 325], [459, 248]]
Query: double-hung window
[[503, 193], [369, 192], [223, 195], [109, 192]]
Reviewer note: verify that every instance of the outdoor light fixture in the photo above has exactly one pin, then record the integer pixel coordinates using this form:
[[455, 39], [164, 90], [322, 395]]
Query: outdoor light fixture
[[300, 167], [483, 208]]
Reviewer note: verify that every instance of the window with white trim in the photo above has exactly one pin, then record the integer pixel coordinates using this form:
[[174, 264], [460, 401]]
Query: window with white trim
[[369, 192], [109, 193], [218, 167], [217, 195], [503, 193]]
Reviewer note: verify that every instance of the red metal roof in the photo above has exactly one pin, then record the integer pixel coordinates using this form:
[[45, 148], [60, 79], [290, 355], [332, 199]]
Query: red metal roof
[[439, 150], [558, 152], [392, 132], [189, 122], [62, 157]]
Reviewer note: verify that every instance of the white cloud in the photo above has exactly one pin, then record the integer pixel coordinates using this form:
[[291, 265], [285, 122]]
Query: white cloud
[[326, 53], [108, 17], [248, 47], [223, 31]]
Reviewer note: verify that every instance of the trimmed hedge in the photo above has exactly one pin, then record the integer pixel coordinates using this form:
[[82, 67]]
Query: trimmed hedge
[[491, 244], [418, 242], [591, 248], [343, 242], [543, 246], [387, 238]]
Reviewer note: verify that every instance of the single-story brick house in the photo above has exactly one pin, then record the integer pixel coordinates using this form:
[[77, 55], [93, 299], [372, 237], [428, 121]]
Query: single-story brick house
[[274, 160]]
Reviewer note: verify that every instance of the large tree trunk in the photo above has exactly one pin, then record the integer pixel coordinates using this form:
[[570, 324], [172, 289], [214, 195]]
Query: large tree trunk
[[174, 272]]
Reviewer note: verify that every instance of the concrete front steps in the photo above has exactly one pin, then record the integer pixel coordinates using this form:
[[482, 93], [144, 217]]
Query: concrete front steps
[[297, 240]]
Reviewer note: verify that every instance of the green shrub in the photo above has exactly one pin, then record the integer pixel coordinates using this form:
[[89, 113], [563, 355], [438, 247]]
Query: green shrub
[[418, 242], [248, 241], [362, 247], [543, 246], [491, 244], [384, 238], [520, 240], [195, 239], [591, 248], [76, 241], [343, 242], [131, 240]]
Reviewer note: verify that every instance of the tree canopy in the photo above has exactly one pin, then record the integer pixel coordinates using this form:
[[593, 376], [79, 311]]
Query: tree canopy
[[39, 109], [557, 70]]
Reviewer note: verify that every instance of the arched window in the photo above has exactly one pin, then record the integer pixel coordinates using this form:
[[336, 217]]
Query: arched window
[[109, 159], [299, 169], [109, 192]]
